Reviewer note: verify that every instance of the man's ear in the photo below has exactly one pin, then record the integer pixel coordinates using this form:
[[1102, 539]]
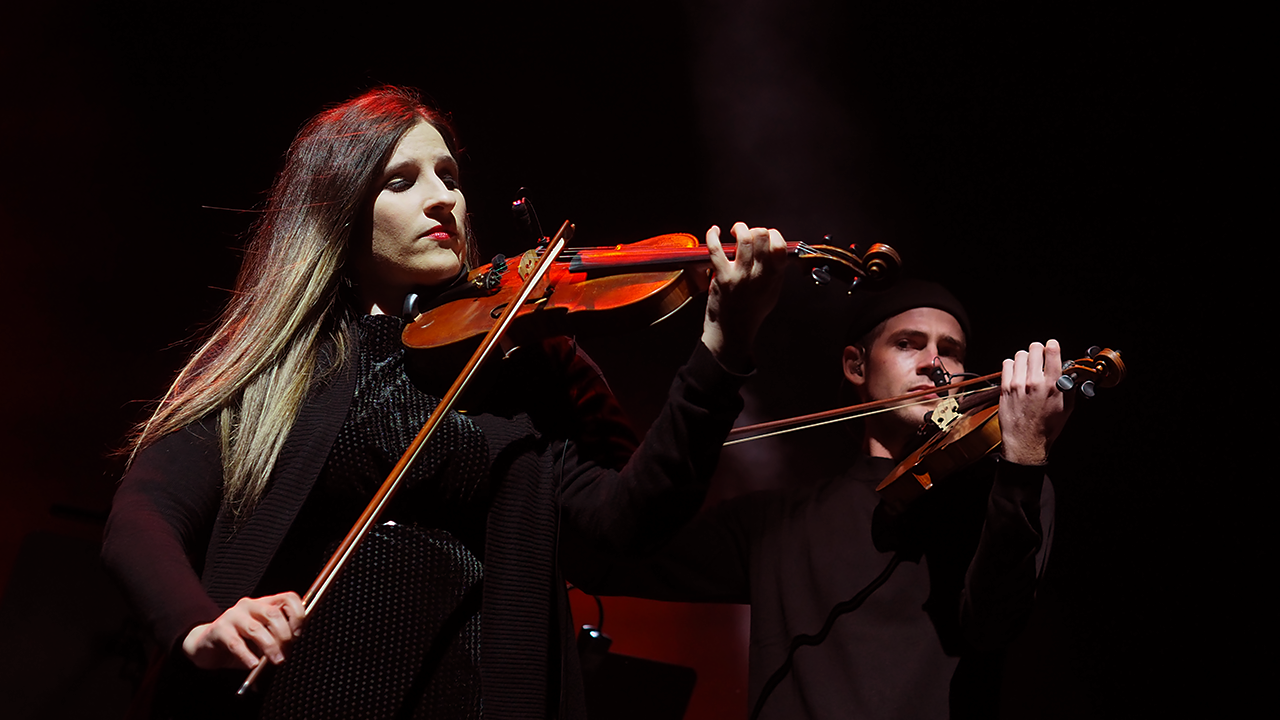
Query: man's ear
[[854, 361]]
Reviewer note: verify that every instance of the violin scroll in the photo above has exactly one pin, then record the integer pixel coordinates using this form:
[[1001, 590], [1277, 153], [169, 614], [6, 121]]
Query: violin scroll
[[1102, 368], [879, 264]]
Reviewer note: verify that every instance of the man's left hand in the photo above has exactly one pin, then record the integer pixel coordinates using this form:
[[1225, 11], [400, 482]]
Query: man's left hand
[[1033, 410]]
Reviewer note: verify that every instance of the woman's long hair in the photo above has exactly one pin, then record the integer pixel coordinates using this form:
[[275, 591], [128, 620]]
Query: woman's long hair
[[293, 297]]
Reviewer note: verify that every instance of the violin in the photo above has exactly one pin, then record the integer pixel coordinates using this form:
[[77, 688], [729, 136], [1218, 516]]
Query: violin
[[962, 429], [599, 288], [959, 432]]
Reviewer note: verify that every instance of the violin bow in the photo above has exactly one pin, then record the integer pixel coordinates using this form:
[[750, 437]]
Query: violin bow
[[1102, 366], [747, 433]]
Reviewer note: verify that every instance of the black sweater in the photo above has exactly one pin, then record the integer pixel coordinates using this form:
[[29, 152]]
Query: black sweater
[[926, 644]]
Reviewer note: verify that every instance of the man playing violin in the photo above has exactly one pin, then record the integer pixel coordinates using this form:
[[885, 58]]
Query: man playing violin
[[929, 642]]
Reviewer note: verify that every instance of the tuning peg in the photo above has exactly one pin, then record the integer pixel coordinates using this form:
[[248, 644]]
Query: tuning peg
[[493, 278], [1093, 351], [1087, 389], [1065, 383], [821, 275], [828, 240]]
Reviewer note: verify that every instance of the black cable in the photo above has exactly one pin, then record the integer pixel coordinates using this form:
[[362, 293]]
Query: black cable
[[800, 641]]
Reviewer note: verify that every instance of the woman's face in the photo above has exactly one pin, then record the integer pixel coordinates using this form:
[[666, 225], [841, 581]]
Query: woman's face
[[418, 223]]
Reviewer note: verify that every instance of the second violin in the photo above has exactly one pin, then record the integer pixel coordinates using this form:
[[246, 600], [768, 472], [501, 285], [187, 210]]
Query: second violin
[[959, 432]]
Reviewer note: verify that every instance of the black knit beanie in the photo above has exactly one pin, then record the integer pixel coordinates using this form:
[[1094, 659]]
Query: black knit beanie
[[874, 307]]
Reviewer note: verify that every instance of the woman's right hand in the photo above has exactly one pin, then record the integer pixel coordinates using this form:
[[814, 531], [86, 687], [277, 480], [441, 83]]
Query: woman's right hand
[[267, 624]]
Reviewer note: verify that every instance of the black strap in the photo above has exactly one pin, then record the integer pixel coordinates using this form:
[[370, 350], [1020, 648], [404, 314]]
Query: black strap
[[799, 641]]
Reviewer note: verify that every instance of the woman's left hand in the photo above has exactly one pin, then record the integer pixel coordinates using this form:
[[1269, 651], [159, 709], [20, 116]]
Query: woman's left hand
[[742, 292]]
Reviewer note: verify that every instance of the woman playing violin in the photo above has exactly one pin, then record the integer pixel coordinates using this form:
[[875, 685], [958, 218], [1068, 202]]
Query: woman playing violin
[[281, 426]]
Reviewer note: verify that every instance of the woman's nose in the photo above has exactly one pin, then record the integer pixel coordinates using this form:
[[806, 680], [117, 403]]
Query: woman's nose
[[439, 199]]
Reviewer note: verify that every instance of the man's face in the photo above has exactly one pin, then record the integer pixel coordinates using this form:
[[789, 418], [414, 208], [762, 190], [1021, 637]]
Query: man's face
[[902, 356]]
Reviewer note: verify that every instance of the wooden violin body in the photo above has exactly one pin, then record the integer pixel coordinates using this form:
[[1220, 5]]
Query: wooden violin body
[[964, 432], [627, 296], [973, 436], [606, 288]]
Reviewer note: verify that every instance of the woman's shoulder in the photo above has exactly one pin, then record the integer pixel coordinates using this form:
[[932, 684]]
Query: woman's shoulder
[[190, 449]]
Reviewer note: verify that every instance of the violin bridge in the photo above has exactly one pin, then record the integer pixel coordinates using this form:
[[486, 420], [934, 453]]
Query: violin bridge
[[946, 413]]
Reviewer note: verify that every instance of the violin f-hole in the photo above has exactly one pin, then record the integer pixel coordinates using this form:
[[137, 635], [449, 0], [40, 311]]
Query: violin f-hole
[[496, 312]]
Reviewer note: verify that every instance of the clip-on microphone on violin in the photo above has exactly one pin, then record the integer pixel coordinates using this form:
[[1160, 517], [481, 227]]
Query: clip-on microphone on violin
[[527, 217], [939, 375]]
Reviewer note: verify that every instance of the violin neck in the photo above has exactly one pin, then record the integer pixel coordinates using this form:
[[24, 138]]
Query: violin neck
[[981, 398], [630, 257]]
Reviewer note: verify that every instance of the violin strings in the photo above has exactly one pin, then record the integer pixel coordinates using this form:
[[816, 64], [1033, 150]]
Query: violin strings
[[831, 421], [570, 253], [674, 254]]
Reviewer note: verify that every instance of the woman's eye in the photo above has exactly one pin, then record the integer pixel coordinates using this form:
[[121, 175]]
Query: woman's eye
[[399, 185], [449, 180]]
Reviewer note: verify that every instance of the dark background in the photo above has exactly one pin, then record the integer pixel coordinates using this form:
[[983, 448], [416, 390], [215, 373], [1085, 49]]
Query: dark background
[[1046, 162]]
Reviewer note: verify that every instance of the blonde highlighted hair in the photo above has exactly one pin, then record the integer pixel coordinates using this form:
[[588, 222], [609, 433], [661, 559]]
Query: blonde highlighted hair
[[293, 297]]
